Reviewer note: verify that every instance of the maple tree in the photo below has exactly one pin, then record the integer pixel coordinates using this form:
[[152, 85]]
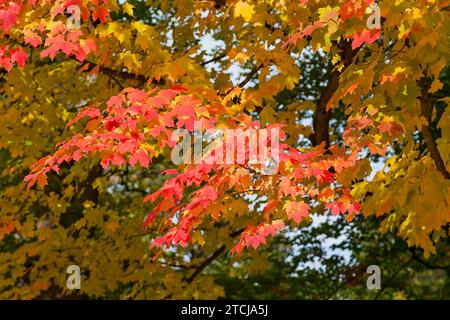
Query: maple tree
[[89, 112]]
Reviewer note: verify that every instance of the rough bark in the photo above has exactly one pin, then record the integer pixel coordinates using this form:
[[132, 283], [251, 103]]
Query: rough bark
[[426, 110]]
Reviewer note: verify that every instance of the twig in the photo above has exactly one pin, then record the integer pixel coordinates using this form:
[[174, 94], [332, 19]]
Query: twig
[[204, 264], [217, 58], [247, 79]]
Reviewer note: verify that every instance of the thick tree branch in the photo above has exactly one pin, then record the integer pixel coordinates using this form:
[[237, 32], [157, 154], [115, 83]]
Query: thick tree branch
[[322, 116], [426, 110]]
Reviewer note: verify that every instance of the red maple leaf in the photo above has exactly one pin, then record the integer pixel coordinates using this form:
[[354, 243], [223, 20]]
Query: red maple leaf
[[365, 36], [100, 13], [297, 211], [142, 157]]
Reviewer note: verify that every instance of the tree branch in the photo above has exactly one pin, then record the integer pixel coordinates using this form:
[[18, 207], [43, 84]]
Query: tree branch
[[426, 264], [214, 59], [426, 110], [204, 264], [211, 258], [396, 272], [105, 70], [247, 79], [122, 74], [322, 116], [250, 76], [207, 262]]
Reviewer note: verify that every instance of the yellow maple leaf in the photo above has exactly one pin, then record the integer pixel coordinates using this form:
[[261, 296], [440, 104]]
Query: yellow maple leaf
[[130, 61], [245, 10]]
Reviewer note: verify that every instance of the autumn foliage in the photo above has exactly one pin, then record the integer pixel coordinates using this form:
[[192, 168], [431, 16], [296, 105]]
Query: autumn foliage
[[119, 85]]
